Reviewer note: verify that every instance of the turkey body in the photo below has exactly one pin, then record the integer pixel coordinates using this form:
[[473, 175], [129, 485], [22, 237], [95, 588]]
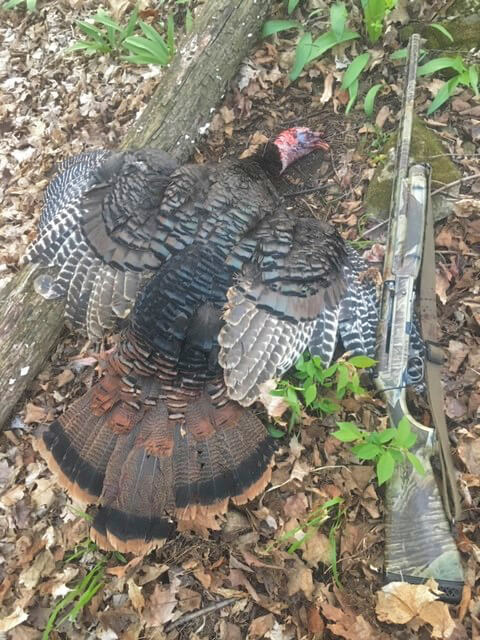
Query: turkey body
[[228, 289]]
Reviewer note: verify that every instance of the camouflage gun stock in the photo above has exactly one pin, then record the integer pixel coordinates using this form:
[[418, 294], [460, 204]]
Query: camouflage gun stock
[[419, 543]]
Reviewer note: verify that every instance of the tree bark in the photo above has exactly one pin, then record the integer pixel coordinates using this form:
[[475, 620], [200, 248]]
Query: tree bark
[[188, 91]]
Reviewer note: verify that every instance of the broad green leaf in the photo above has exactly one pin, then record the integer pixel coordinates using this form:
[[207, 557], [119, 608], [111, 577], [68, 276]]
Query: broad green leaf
[[473, 78], [31, 5], [142, 58], [342, 378], [132, 23], [362, 362], [329, 40], [338, 18], [410, 440], [443, 94], [170, 35], [352, 92], [387, 435], [416, 463], [292, 5], [397, 455], [188, 21], [326, 405], [302, 53], [292, 399], [354, 69], [328, 373], [385, 467], [140, 45], [90, 47], [403, 431], [399, 54], [367, 451], [274, 432], [153, 35], [437, 64], [91, 30], [368, 108], [348, 432], [443, 30], [275, 26], [310, 394], [104, 19]]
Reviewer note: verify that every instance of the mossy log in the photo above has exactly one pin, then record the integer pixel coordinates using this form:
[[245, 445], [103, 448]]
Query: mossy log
[[188, 90]]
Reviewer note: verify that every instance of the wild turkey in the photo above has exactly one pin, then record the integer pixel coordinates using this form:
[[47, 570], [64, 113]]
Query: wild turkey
[[240, 288]]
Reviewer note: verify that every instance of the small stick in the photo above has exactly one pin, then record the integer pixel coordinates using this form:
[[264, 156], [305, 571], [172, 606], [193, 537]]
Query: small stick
[[302, 192], [200, 612], [452, 184], [367, 231]]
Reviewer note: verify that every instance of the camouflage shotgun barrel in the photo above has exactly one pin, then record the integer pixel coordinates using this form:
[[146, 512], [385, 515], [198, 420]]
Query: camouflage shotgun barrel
[[419, 542]]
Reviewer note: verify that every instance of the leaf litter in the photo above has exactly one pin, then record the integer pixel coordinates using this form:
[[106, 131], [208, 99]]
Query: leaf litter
[[57, 105]]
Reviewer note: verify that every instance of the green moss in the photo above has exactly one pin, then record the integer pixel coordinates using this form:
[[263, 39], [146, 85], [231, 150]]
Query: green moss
[[426, 146]]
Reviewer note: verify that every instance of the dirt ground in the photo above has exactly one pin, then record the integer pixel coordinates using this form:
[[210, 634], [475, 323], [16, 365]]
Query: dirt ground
[[54, 105]]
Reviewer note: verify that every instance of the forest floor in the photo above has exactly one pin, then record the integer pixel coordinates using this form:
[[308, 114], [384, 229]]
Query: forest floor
[[55, 105]]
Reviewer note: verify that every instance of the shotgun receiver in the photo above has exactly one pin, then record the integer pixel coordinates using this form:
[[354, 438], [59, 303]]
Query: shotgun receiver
[[419, 542]]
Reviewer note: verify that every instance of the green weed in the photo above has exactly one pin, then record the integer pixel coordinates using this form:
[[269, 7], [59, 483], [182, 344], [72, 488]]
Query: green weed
[[331, 510], [30, 5], [310, 376], [73, 603], [106, 36], [384, 448]]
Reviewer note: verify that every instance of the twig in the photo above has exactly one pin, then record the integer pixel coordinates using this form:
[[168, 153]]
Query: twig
[[452, 184], [303, 192], [200, 612], [367, 231]]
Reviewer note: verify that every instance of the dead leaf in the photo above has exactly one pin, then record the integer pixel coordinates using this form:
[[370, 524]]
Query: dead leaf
[[65, 377], [13, 620], [300, 579], [316, 550], [382, 116], [327, 89], [458, 351], [469, 452], [260, 626], [33, 413], [400, 602], [188, 599], [160, 606], [43, 566], [229, 631], [315, 622], [135, 595], [296, 506]]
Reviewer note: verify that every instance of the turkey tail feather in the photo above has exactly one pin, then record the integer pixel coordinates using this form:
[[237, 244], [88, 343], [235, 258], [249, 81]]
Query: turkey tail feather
[[146, 466]]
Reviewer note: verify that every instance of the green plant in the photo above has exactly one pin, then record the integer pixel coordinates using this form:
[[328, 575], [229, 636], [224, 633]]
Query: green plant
[[79, 597], [151, 48], [369, 101], [31, 5], [309, 49], [350, 78], [463, 75], [374, 14], [310, 375], [330, 510], [385, 448], [104, 33]]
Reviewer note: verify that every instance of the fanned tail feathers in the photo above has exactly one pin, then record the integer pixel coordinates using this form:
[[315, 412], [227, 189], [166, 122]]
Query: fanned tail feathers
[[148, 457]]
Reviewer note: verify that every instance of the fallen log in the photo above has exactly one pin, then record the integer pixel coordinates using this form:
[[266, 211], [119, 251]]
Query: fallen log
[[188, 90]]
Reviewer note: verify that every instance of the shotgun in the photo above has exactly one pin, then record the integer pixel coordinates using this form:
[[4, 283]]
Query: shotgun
[[418, 534]]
